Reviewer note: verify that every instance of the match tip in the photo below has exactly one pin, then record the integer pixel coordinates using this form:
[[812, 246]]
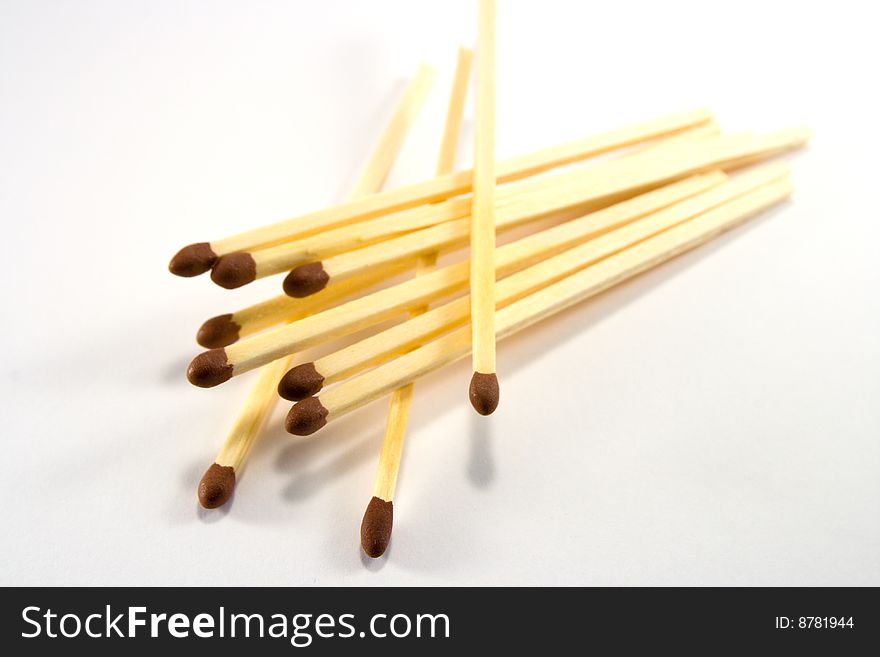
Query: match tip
[[300, 382], [210, 368], [305, 280], [376, 527], [306, 417], [216, 486], [234, 270], [192, 260], [484, 393], [218, 332]]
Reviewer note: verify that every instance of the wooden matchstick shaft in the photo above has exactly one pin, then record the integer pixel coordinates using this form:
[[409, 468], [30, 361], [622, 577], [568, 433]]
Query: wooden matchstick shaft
[[285, 257], [401, 399], [401, 338], [372, 178], [214, 367], [482, 224], [198, 258], [584, 187], [363, 389], [218, 482], [454, 113]]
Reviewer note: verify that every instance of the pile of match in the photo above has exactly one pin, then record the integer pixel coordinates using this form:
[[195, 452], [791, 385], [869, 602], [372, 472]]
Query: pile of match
[[659, 189]]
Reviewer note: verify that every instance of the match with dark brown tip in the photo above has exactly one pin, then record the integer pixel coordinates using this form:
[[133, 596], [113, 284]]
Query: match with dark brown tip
[[234, 270], [484, 393], [210, 368], [218, 332], [306, 417], [376, 527], [306, 280], [216, 486], [300, 382], [192, 260]]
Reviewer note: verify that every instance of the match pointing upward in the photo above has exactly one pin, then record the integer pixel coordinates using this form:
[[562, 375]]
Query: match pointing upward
[[484, 391]]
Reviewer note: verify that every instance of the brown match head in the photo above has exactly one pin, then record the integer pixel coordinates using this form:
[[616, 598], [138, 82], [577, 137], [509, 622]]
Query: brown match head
[[210, 368], [300, 382], [306, 280], [216, 486], [306, 417], [234, 270], [192, 260], [484, 393], [376, 527], [217, 332]]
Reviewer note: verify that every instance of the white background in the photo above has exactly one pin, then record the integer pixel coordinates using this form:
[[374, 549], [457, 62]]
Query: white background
[[714, 422]]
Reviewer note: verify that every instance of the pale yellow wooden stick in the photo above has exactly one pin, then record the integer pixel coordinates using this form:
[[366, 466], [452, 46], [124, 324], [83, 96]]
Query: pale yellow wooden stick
[[218, 482], [311, 414], [198, 258], [455, 112], [703, 131], [483, 391], [379, 516], [586, 187], [385, 153], [215, 366], [575, 252]]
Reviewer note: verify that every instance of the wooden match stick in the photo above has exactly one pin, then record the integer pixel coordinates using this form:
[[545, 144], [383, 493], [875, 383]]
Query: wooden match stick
[[198, 258], [238, 269], [218, 482], [218, 365], [309, 415], [308, 379], [378, 518], [583, 188], [483, 391]]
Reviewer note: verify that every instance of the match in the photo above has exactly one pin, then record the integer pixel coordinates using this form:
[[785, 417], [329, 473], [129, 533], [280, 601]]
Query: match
[[308, 379], [583, 187], [199, 258], [311, 414], [484, 392], [218, 482]]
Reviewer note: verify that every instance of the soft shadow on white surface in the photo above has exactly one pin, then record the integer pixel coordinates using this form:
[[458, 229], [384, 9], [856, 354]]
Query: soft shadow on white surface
[[210, 516], [481, 465]]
